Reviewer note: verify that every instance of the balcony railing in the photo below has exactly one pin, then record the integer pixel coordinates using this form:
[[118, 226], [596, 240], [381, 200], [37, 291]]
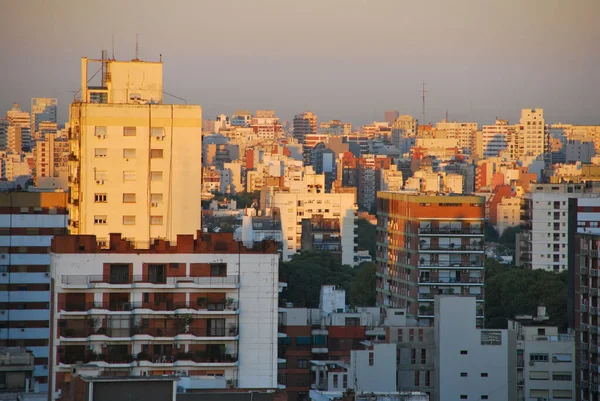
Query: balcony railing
[[69, 358], [451, 280], [472, 247], [83, 332], [155, 306], [449, 230], [458, 264], [119, 280]]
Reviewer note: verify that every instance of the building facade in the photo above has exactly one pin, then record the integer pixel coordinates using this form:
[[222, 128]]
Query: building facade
[[428, 245], [304, 124], [204, 307], [134, 163], [28, 221]]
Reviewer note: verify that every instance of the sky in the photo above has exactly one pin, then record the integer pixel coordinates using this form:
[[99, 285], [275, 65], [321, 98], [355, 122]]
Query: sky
[[343, 59]]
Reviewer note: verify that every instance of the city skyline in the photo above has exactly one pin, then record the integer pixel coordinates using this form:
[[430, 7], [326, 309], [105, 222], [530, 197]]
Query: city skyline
[[352, 64]]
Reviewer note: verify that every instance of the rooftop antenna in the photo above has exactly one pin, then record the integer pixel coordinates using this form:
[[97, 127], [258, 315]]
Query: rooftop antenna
[[137, 48], [113, 46], [423, 91], [447, 116]]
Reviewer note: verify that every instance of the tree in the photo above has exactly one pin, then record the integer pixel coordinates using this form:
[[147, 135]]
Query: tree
[[367, 236], [491, 235], [509, 236], [362, 289], [511, 291]]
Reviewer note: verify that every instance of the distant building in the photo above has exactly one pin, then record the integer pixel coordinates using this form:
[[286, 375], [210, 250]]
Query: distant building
[[16, 372], [52, 161], [43, 109], [304, 124], [335, 127], [391, 115], [495, 138], [20, 121]]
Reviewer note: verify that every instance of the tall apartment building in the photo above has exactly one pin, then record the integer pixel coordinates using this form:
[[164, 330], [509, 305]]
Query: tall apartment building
[[43, 109], [508, 213], [266, 125], [15, 166], [135, 163], [28, 221], [20, 119], [586, 289], [494, 138], [472, 364], [316, 221], [204, 308], [304, 124], [390, 116], [548, 223], [428, 245], [532, 137], [51, 158], [463, 132], [545, 359]]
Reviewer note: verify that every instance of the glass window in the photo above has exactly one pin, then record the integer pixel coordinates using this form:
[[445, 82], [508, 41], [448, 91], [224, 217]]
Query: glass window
[[99, 219], [129, 131], [129, 176], [156, 220], [128, 153], [100, 198], [128, 198], [156, 198], [156, 153], [100, 152], [156, 176], [128, 220]]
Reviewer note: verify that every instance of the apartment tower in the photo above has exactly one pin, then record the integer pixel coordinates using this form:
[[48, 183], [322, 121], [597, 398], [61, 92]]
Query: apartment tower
[[304, 124], [135, 163], [429, 245]]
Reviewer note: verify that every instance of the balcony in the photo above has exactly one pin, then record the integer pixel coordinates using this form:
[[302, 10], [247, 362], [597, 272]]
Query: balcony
[[450, 230], [584, 308], [594, 272], [583, 289], [168, 306], [87, 330], [584, 271], [449, 248], [423, 264], [87, 281], [450, 280], [201, 357]]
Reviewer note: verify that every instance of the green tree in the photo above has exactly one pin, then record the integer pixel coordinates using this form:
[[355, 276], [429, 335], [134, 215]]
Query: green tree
[[366, 236], [509, 236], [491, 235], [362, 288]]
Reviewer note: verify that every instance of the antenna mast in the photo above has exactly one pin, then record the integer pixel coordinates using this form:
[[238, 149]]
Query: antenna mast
[[113, 46], [137, 48], [423, 91]]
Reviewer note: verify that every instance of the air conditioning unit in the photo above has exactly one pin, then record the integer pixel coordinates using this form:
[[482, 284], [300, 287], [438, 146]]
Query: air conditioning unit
[[154, 204], [101, 136], [160, 137], [100, 182]]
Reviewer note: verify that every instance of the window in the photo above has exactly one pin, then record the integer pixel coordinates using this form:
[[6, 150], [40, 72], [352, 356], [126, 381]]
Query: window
[[156, 220], [463, 352], [100, 175], [464, 397], [128, 220], [100, 152], [399, 335], [129, 176], [463, 374], [129, 131], [539, 375], [484, 397], [156, 153], [558, 358], [100, 131], [491, 338], [156, 198], [128, 153], [560, 394], [157, 132], [413, 356], [100, 198], [218, 269], [427, 378], [128, 198], [156, 176], [417, 377], [423, 356], [562, 376], [352, 321], [336, 382], [538, 357], [484, 375], [302, 363], [99, 219]]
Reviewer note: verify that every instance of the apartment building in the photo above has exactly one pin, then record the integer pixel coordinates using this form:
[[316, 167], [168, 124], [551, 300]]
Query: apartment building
[[494, 138], [20, 122], [463, 132], [266, 125], [43, 110], [52, 160], [134, 163], [472, 364], [335, 127], [428, 245], [549, 221], [304, 124], [28, 221], [316, 221], [532, 137], [204, 308], [545, 359], [508, 213]]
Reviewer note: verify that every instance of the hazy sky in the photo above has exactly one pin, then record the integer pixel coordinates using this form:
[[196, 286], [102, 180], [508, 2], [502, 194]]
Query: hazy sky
[[347, 59]]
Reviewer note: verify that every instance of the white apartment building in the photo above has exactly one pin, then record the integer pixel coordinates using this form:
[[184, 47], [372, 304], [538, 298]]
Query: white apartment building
[[14, 166], [471, 363], [204, 308], [508, 213], [317, 220], [391, 179], [135, 163], [545, 359], [28, 222], [494, 138], [532, 136], [463, 132], [545, 237], [21, 119]]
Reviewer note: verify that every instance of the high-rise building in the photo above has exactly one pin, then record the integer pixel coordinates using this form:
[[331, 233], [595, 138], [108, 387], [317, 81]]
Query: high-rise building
[[532, 137], [494, 138], [205, 308], [135, 163], [463, 132], [428, 245], [266, 125], [335, 127], [404, 127], [20, 120], [28, 221], [304, 124], [51, 160], [241, 118], [43, 109], [390, 116]]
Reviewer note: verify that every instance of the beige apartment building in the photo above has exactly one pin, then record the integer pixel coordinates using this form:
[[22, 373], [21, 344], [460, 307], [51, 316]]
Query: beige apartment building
[[135, 163]]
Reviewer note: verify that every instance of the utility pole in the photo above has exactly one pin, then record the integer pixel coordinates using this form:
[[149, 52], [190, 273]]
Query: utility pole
[[423, 91]]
